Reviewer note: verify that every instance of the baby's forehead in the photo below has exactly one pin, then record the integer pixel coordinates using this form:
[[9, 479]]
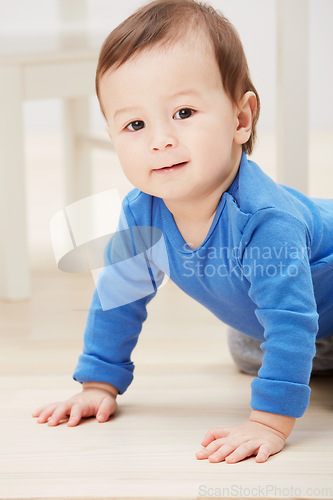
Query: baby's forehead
[[181, 54], [176, 60], [178, 46]]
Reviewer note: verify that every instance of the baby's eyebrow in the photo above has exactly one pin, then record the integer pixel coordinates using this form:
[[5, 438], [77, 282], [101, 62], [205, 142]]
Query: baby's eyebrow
[[187, 92], [123, 110]]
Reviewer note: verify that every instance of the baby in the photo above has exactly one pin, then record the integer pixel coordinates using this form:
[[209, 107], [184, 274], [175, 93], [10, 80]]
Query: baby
[[181, 110]]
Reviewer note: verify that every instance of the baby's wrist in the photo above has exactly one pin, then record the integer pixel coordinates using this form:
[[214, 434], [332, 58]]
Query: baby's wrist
[[281, 423], [101, 385]]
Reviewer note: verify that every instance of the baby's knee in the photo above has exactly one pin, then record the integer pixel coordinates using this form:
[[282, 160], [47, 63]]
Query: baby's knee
[[245, 351]]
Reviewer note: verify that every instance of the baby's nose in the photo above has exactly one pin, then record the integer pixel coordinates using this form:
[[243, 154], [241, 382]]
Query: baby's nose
[[162, 145], [163, 140]]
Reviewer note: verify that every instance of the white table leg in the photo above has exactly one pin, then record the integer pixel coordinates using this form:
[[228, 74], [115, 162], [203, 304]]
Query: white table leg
[[292, 93], [77, 156], [14, 261]]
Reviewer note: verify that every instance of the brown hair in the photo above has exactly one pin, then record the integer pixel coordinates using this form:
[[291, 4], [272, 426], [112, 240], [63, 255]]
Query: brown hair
[[166, 21]]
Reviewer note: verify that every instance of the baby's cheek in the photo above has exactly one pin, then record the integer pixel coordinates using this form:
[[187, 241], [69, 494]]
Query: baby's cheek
[[133, 171], [129, 171], [129, 155], [127, 160]]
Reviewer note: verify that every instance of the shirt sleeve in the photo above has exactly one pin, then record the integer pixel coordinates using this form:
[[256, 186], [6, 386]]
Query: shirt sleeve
[[274, 256], [125, 285]]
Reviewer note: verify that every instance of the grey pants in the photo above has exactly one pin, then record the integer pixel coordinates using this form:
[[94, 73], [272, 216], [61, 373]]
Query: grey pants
[[247, 354]]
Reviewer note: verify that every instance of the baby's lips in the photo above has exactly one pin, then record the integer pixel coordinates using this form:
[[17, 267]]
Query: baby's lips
[[171, 165]]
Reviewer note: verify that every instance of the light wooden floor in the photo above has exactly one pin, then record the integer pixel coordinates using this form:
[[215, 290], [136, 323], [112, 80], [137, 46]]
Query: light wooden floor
[[185, 383]]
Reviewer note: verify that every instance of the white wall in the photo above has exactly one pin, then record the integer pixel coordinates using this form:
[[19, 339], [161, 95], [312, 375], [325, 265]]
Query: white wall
[[254, 19]]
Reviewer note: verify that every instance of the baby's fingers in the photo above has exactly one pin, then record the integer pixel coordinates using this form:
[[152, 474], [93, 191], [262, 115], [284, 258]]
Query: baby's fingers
[[75, 415], [39, 411], [44, 413], [107, 407], [244, 450], [60, 412], [263, 453], [213, 434]]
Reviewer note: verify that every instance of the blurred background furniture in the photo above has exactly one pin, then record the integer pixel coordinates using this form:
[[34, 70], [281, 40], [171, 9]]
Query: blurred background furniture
[[293, 93], [35, 71]]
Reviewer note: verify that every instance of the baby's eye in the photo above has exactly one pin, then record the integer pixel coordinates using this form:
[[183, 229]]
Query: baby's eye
[[184, 113], [136, 125]]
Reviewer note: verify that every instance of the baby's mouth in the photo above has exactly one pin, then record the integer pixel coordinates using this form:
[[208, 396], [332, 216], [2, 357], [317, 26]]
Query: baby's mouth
[[173, 167]]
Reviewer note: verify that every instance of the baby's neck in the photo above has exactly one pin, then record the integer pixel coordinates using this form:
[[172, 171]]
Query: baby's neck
[[194, 219], [194, 235]]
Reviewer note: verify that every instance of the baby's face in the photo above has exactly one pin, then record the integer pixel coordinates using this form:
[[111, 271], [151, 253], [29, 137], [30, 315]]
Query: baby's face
[[168, 107]]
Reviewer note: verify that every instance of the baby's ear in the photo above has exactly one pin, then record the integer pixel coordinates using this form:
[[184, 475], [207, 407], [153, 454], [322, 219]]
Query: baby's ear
[[246, 109]]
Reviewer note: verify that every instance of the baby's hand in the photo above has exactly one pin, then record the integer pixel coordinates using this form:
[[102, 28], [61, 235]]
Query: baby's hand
[[235, 443], [95, 399]]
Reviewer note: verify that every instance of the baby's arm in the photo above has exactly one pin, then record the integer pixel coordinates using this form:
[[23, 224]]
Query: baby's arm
[[96, 399], [263, 435], [286, 308]]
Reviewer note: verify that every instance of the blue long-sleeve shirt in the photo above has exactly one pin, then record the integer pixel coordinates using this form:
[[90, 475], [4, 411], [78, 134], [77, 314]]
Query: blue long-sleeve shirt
[[264, 268]]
